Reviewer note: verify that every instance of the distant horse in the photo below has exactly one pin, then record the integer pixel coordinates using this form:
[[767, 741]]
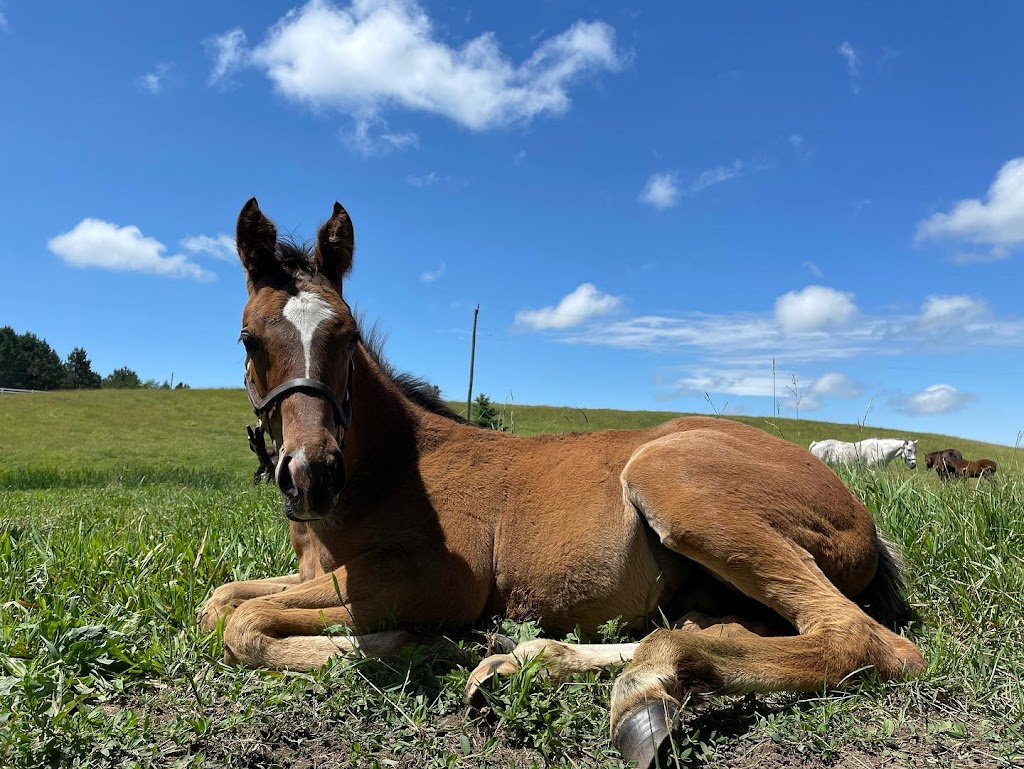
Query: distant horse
[[734, 533], [978, 468], [932, 459], [868, 452]]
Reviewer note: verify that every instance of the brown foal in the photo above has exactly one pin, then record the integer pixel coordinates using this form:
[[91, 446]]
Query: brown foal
[[773, 570]]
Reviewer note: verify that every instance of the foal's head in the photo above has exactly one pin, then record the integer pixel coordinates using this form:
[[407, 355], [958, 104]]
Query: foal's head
[[299, 337]]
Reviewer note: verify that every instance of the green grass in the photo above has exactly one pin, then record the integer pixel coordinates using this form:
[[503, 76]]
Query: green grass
[[120, 511], [87, 437]]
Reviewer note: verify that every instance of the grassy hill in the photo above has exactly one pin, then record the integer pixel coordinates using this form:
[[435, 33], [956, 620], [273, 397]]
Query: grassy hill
[[89, 436]]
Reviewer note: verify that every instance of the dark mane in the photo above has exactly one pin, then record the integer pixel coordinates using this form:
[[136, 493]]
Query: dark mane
[[296, 258], [419, 391]]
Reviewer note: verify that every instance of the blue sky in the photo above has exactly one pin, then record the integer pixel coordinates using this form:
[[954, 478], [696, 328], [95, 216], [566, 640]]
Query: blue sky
[[650, 204]]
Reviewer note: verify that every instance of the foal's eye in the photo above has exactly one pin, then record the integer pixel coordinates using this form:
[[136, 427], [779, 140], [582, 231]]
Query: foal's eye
[[251, 343]]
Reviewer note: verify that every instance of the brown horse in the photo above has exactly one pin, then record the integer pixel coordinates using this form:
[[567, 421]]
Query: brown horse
[[734, 533], [961, 468], [933, 458]]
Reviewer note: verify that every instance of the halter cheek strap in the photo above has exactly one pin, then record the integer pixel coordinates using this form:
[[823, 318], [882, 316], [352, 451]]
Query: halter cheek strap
[[342, 412], [265, 407]]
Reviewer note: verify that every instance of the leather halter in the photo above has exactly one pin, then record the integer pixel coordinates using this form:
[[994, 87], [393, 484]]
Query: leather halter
[[265, 407]]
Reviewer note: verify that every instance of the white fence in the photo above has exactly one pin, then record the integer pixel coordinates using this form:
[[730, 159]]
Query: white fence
[[15, 390]]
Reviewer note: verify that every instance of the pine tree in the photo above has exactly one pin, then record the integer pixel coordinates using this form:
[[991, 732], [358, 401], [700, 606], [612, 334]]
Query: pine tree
[[79, 373], [122, 379], [485, 414], [13, 363], [28, 362]]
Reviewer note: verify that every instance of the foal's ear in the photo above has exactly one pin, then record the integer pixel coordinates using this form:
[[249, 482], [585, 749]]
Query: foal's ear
[[335, 244], [256, 240]]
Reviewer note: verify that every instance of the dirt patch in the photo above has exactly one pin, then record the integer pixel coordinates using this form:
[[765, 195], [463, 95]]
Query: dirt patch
[[911, 753], [308, 736]]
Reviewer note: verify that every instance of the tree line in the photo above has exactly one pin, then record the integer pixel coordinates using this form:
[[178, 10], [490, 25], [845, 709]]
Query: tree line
[[29, 363]]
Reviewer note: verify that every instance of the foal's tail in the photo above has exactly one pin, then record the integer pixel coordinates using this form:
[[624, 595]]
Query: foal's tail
[[883, 599]]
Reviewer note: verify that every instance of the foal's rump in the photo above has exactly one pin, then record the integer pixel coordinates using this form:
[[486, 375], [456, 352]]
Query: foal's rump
[[715, 475]]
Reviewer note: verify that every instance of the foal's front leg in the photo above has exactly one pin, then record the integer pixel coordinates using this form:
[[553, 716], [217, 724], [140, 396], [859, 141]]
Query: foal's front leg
[[289, 630], [231, 595]]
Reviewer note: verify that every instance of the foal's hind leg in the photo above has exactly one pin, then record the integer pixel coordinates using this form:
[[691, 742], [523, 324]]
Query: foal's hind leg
[[558, 660], [749, 534]]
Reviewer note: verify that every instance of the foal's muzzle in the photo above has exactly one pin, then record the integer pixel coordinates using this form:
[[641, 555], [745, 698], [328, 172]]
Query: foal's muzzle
[[310, 489]]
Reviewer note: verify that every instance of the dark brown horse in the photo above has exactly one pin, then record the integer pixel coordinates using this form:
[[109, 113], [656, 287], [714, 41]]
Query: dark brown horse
[[933, 458], [729, 531], [961, 468]]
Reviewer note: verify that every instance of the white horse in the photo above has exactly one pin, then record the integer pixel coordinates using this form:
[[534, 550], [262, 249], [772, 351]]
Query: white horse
[[868, 452]]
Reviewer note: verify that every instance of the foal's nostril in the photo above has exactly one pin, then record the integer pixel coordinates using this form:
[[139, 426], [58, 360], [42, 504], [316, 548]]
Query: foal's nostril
[[284, 477], [337, 471]]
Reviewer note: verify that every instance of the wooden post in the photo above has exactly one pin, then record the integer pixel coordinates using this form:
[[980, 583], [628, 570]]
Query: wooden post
[[472, 359]]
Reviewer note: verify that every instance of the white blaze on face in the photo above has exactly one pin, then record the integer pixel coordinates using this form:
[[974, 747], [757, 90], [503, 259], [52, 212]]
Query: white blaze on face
[[306, 311]]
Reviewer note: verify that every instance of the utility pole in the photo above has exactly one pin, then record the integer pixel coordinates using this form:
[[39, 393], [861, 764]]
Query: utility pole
[[472, 359]]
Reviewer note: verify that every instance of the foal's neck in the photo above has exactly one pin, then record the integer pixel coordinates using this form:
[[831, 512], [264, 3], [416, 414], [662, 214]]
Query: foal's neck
[[387, 427]]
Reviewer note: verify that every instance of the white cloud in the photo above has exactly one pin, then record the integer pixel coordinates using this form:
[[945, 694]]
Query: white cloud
[[796, 141], [153, 82], [582, 304], [218, 246], [661, 191], [96, 243], [426, 180], [852, 65], [370, 137], [741, 383], [935, 399], [377, 54], [954, 311], [746, 342], [860, 205], [759, 383], [715, 176], [229, 51], [814, 269], [814, 308], [746, 383], [834, 385], [967, 258], [997, 221], [432, 276], [788, 401]]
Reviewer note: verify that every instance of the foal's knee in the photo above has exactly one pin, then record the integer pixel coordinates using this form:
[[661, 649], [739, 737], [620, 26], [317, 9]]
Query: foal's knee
[[246, 636]]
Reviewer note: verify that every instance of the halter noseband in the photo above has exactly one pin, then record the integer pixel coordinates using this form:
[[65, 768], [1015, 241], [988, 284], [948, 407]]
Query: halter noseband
[[265, 407]]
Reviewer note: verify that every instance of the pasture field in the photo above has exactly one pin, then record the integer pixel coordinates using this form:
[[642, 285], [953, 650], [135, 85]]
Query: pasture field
[[121, 510]]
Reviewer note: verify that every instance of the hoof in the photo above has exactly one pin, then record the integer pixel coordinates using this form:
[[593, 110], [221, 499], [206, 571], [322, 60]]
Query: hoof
[[483, 677], [211, 615], [644, 734], [499, 644]]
